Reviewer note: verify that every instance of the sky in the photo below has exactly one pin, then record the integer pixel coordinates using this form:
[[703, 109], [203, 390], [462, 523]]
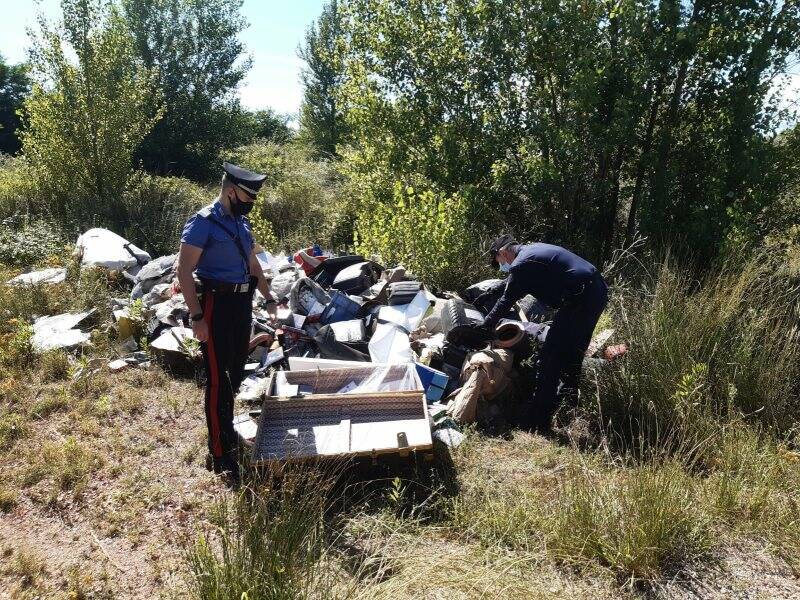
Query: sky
[[277, 27]]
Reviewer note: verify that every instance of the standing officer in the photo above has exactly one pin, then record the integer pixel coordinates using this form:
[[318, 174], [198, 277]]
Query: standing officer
[[217, 244], [566, 282]]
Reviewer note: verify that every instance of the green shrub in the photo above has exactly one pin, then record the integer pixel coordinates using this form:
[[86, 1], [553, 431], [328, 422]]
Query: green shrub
[[638, 523], [427, 231], [156, 210], [301, 201], [19, 189], [704, 353], [270, 543], [16, 349], [25, 243]]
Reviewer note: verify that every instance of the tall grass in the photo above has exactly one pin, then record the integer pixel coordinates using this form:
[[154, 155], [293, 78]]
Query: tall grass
[[703, 352], [269, 542]]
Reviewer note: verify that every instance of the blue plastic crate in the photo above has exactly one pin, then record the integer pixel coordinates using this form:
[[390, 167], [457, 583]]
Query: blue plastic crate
[[433, 382], [340, 308]]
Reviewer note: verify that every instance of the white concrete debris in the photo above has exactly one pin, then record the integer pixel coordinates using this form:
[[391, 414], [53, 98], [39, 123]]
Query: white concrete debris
[[37, 277], [59, 331], [103, 248]]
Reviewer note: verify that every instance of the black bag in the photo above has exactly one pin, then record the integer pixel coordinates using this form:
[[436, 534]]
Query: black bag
[[330, 347], [460, 323], [403, 292], [327, 270], [356, 278], [485, 294]]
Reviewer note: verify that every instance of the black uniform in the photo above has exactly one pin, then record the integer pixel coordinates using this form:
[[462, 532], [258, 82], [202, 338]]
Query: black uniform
[[566, 282]]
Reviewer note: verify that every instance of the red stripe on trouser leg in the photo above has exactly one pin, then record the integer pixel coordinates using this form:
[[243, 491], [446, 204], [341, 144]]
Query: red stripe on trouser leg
[[213, 378]]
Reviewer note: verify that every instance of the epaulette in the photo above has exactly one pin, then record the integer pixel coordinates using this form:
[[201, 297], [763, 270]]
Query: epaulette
[[205, 212]]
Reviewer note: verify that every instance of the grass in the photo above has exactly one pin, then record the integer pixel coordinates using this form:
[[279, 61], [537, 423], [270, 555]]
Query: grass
[[693, 446], [269, 542]]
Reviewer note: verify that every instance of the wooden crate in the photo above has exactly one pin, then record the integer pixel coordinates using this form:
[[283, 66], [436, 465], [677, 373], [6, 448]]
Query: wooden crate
[[325, 423]]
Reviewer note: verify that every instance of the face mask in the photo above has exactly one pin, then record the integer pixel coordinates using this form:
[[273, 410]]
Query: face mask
[[505, 267], [239, 208]]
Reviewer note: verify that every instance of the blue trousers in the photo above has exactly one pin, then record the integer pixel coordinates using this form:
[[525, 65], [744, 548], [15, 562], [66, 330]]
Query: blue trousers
[[562, 353]]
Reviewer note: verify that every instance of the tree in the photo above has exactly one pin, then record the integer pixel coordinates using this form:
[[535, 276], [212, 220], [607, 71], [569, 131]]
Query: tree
[[85, 118], [271, 126], [193, 47], [14, 87], [582, 123], [322, 121]]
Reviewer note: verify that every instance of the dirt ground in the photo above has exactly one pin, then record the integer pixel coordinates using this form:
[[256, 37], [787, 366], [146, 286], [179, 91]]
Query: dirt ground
[[123, 532]]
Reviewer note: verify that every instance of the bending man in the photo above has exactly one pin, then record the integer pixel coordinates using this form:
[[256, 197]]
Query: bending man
[[566, 282]]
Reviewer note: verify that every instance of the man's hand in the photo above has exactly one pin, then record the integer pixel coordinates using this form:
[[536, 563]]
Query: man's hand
[[200, 330], [272, 311]]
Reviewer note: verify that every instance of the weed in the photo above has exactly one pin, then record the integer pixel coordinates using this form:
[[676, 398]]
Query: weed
[[66, 464], [51, 402], [13, 427], [54, 366], [16, 347], [639, 523], [270, 542], [28, 566], [8, 499]]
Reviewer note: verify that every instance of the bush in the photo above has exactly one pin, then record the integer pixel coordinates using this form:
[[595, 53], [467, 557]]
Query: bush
[[271, 543], [702, 354], [301, 201], [157, 209], [19, 188], [427, 231], [25, 243], [638, 524]]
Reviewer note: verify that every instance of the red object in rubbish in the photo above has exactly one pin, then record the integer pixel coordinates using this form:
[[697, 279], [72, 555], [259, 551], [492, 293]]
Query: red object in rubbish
[[260, 339], [307, 261], [615, 351]]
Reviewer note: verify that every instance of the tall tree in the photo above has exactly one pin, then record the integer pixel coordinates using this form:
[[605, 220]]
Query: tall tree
[[579, 122], [14, 87], [193, 47], [85, 117], [321, 118]]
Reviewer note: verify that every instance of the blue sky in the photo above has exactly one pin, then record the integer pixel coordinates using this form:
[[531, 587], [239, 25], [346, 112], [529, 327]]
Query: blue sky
[[276, 29]]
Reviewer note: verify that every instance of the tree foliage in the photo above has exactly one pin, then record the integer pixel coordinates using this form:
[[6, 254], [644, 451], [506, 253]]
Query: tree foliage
[[322, 121], [193, 47], [86, 117], [14, 87], [579, 122]]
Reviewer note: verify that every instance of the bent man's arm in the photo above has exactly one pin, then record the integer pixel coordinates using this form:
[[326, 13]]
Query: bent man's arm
[[513, 292], [188, 257], [263, 282]]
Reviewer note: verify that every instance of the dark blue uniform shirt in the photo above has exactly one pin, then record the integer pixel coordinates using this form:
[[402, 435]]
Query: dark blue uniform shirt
[[221, 259], [550, 273]]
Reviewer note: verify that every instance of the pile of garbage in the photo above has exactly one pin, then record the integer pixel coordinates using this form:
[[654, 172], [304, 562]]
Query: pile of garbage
[[333, 312]]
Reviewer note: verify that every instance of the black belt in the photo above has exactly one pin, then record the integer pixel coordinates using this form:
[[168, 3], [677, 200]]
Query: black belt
[[225, 288]]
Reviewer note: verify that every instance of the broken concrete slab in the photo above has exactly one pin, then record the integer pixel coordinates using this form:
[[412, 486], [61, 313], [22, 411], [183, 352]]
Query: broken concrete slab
[[48, 276], [158, 271], [103, 248], [58, 331]]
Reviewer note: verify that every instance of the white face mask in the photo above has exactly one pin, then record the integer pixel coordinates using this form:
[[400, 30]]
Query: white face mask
[[505, 267]]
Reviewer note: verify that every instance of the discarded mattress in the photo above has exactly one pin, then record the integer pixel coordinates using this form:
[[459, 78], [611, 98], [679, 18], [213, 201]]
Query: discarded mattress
[[39, 277], [383, 411], [59, 331], [103, 248]]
